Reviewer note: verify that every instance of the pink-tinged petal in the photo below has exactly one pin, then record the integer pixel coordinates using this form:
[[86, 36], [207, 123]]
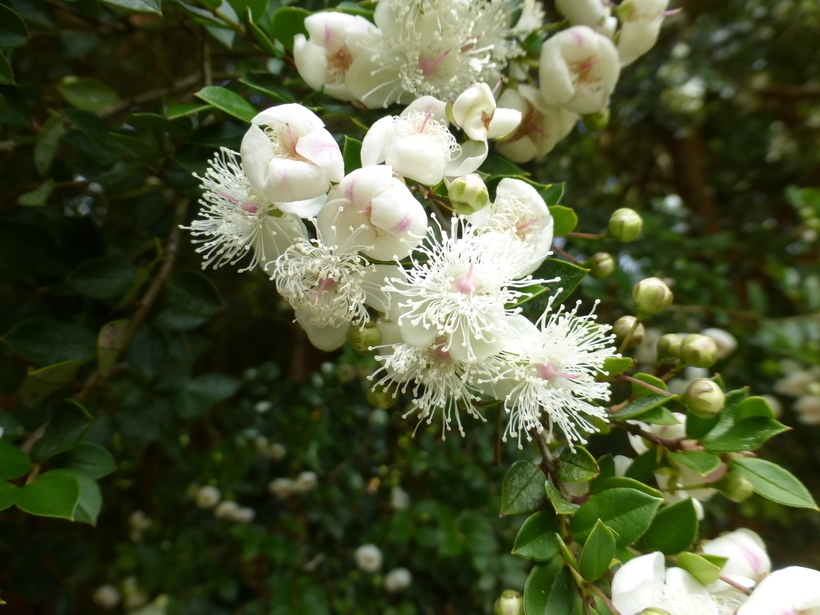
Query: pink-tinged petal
[[417, 157], [304, 209], [300, 119], [376, 141], [504, 123], [293, 180], [362, 185], [321, 148], [256, 151], [329, 29]]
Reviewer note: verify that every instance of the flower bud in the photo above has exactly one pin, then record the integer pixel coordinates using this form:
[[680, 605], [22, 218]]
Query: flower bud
[[381, 398], [652, 295], [362, 339], [698, 350], [207, 497], [510, 602], [596, 122], [735, 486], [669, 347], [625, 225], [601, 265], [397, 580], [368, 558], [623, 326], [280, 487], [704, 398], [468, 194]]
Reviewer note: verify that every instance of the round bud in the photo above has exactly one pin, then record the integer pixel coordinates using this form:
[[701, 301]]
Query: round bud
[[207, 497], [623, 326], [362, 339], [704, 398], [735, 487], [468, 194], [596, 122], [653, 610], [601, 265], [669, 347], [380, 398], [625, 225], [510, 602], [651, 295], [698, 350]]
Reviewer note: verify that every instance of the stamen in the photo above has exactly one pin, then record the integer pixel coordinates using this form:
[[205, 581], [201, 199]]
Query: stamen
[[465, 283], [549, 371], [324, 284], [428, 66]]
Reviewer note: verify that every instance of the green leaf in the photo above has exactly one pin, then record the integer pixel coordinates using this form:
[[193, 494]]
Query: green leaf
[[536, 538], [498, 166], [41, 383], [103, 278], [141, 6], [53, 494], [642, 391], [552, 194], [576, 466], [90, 502], [228, 101], [263, 40], [606, 465], [706, 569], [87, 457], [640, 406], [569, 276], [47, 142], [747, 435], [8, 494], [774, 483], [13, 30], [701, 462], [191, 293], [186, 109], [352, 154], [617, 365], [616, 482], [287, 23], [597, 553], [13, 462], [271, 87], [550, 590], [67, 428], [627, 512], [643, 466], [86, 93], [561, 506], [38, 196], [565, 220], [522, 489], [214, 387], [697, 428], [674, 528], [751, 407], [47, 341], [110, 343], [6, 74]]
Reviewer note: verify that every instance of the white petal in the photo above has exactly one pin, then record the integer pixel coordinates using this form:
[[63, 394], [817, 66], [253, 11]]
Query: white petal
[[306, 208], [293, 180], [636, 583], [380, 135], [300, 119], [311, 62], [256, 151], [472, 155], [504, 123], [416, 157], [321, 148]]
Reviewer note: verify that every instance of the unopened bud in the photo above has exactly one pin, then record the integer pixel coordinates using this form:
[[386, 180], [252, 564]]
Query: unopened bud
[[735, 486], [698, 350], [596, 122], [601, 265], [653, 610], [510, 602], [468, 194], [669, 347], [380, 397], [362, 339], [704, 398], [623, 326], [652, 295], [625, 225], [207, 497]]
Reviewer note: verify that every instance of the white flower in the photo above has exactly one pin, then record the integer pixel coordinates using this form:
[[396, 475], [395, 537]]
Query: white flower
[[289, 156], [795, 384], [236, 220], [557, 362], [476, 113], [578, 71], [746, 552], [324, 60], [282, 488], [592, 13], [790, 591], [379, 208], [397, 580], [106, 596], [642, 583], [541, 127], [306, 481], [207, 496], [808, 409], [243, 515], [399, 499], [520, 212], [226, 510], [277, 451], [641, 25], [138, 521], [368, 558]]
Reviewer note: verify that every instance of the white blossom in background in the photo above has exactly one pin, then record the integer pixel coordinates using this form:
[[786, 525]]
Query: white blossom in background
[[282, 488], [745, 551], [790, 591], [591, 13], [207, 497], [541, 127], [807, 408], [379, 209], [107, 596], [399, 498], [397, 580], [325, 58], [236, 220], [226, 510], [641, 24], [306, 481], [290, 158], [578, 71], [368, 558], [476, 113]]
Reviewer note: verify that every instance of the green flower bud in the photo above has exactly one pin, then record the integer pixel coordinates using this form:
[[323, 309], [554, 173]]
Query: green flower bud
[[625, 225], [704, 398], [669, 347], [468, 194], [735, 486], [362, 339], [596, 122], [654, 611], [651, 295], [509, 603], [623, 326], [601, 265], [381, 398], [698, 350]]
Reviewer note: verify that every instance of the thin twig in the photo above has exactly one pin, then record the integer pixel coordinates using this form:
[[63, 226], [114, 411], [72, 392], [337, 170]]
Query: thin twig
[[583, 235], [567, 256], [646, 385], [735, 584], [603, 597], [183, 84], [669, 443], [628, 338]]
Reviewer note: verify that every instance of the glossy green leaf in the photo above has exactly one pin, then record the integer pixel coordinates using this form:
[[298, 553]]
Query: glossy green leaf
[[352, 154], [522, 489], [87, 93], [37, 197], [8, 494], [561, 506], [111, 341], [569, 276], [13, 462], [67, 428], [90, 501], [498, 167], [751, 407], [550, 590], [270, 86], [643, 466], [697, 428], [617, 365], [659, 416], [606, 469], [287, 23], [673, 529], [47, 341], [616, 482], [576, 466], [87, 457], [642, 391], [774, 483], [53, 494], [6, 74], [536, 538], [641, 405], [552, 194], [263, 40], [747, 435], [185, 109], [597, 554], [141, 6], [103, 278], [228, 101], [701, 462], [41, 383], [706, 569], [45, 148], [564, 218], [13, 30], [627, 512], [191, 293]]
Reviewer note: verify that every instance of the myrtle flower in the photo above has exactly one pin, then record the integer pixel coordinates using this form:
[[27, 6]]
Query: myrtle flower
[[789, 591], [642, 20], [477, 114], [591, 13], [235, 220]]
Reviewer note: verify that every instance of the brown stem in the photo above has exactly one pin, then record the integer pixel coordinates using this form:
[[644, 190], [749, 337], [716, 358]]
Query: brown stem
[[569, 257], [583, 235], [549, 464], [669, 443], [646, 385], [603, 597]]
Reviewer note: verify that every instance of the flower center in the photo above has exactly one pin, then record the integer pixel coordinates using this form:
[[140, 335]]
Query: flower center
[[324, 284], [549, 371], [439, 352], [284, 142], [428, 66], [465, 283], [337, 65]]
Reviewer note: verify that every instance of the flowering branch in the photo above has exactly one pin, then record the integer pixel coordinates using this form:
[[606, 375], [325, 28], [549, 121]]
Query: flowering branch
[[675, 444]]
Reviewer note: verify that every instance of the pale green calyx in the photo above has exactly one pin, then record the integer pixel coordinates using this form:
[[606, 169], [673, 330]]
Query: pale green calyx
[[625, 225], [652, 295], [363, 339], [704, 398], [468, 194], [735, 487], [601, 265], [509, 603], [698, 350], [623, 326], [669, 347]]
